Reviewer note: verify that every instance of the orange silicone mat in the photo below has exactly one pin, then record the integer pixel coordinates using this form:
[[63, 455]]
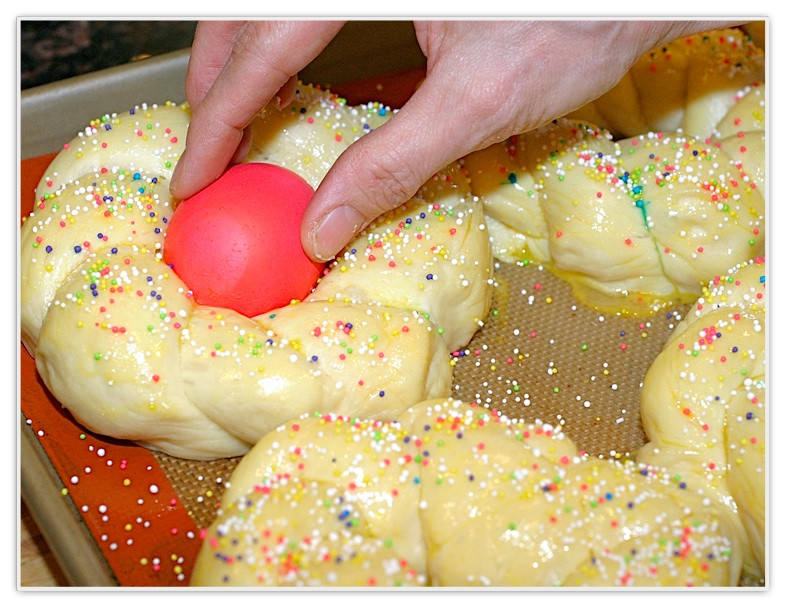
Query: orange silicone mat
[[541, 354]]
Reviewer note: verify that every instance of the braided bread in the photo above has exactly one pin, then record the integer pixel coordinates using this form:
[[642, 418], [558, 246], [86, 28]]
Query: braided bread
[[703, 402], [687, 84], [451, 495], [632, 225], [638, 224], [120, 340]]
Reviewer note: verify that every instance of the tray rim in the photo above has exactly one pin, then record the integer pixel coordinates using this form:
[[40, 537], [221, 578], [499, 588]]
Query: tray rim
[[65, 533], [87, 96]]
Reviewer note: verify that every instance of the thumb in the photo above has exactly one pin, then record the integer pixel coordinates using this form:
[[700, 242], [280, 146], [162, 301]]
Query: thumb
[[382, 170]]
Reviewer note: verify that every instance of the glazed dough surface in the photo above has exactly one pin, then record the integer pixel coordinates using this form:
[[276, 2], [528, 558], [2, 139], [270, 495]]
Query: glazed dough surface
[[703, 402], [453, 495], [120, 340], [688, 84], [640, 197], [633, 225]]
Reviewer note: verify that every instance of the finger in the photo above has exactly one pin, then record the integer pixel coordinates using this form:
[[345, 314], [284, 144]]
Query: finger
[[386, 168], [243, 147], [210, 52], [282, 99], [265, 55], [286, 93]]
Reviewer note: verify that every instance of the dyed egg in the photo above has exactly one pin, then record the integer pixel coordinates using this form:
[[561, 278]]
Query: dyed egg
[[236, 243]]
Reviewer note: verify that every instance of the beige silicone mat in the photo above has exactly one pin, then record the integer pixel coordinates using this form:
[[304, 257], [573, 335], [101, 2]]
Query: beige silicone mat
[[540, 355]]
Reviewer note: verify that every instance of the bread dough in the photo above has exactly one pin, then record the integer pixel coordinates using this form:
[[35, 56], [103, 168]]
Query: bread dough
[[382, 484], [122, 343], [426, 257], [310, 134], [451, 494], [634, 225], [703, 402], [687, 84]]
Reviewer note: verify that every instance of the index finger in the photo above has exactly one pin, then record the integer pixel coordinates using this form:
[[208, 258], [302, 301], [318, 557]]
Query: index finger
[[209, 55], [264, 56]]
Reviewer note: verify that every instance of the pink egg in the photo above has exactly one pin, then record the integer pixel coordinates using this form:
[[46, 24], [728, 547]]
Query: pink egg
[[236, 243]]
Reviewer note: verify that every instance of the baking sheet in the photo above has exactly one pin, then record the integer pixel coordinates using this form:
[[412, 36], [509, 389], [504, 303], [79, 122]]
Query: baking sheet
[[117, 514]]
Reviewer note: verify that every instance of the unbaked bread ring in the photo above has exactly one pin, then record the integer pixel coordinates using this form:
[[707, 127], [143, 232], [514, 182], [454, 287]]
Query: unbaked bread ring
[[641, 221], [121, 342], [703, 402], [688, 84], [635, 225]]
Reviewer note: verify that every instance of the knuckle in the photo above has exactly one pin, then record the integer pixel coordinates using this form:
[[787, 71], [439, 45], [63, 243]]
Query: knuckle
[[252, 45], [485, 100], [387, 182], [502, 105]]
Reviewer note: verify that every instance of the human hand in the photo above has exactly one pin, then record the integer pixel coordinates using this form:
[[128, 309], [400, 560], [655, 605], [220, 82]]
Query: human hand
[[485, 81], [236, 68]]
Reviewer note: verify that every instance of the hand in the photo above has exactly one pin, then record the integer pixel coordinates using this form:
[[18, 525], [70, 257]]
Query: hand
[[236, 68], [485, 81]]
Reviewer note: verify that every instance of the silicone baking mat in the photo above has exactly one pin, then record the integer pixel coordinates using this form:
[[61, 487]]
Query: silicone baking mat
[[540, 355]]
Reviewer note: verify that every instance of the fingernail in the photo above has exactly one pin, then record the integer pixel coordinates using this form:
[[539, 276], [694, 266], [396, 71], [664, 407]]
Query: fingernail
[[282, 100], [335, 231], [286, 93]]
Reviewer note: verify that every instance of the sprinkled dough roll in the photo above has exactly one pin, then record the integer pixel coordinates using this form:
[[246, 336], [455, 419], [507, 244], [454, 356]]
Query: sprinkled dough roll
[[687, 84], [633, 225], [430, 257], [689, 161], [361, 359], [328, 501], [111, 355], [746, 115], [72, 225], [308, 136], [454, 495], [703, 401], [507, 178], [148, 138], [123, 343]]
